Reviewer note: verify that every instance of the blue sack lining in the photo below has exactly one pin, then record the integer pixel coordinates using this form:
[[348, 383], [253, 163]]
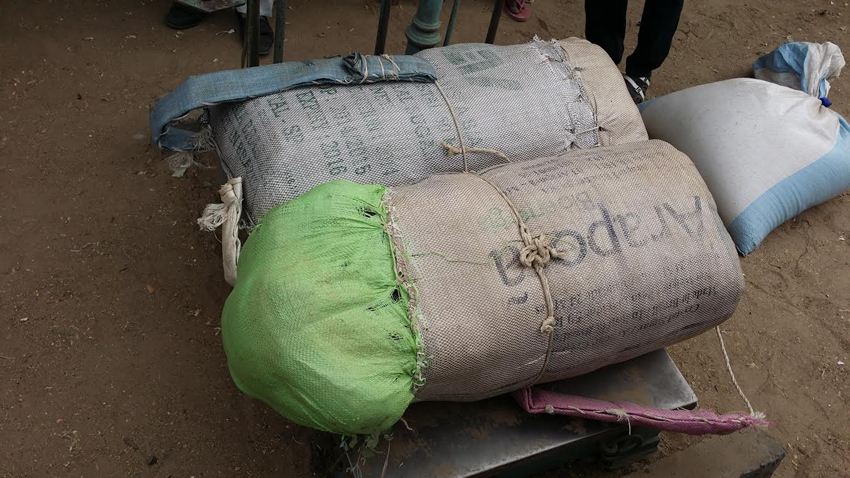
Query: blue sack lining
[[239, 85], [816, 183]]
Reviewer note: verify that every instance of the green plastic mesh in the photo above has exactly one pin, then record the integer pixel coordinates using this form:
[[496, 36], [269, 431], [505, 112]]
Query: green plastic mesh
[[317, 325]]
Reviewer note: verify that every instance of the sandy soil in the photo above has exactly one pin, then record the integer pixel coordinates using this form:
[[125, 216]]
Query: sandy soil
[[110, 358]]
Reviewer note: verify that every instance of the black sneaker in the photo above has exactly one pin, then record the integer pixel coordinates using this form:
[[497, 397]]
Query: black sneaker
[[181, 17], [266, 33], [637, 87]]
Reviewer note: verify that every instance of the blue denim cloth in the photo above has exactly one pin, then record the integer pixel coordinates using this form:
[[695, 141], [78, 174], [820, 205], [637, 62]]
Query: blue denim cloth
[[239, 85]]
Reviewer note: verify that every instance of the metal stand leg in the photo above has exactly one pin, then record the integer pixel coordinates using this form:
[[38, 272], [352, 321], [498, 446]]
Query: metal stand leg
[[383, 20], [279, 29], [494, 21], [424, 31], [451, 26], [251, 44]]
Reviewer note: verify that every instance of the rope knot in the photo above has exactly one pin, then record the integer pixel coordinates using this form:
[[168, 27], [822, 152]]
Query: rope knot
[[450, 150], [539, 252], [619, 413], [228, 196], [226, 214], [548, 325]]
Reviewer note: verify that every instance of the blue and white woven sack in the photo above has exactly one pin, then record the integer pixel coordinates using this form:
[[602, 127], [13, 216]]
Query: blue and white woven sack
[[766, 152], [803, 66]]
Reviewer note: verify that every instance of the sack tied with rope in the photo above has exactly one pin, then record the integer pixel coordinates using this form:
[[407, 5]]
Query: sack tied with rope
[[355, 300], [521, 101], [527, 101]]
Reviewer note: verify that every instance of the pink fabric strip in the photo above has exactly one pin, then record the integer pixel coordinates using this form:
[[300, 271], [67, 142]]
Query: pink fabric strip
[[698, 422]]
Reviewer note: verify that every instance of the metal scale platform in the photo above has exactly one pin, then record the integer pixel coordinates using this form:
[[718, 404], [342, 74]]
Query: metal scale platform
[[496, 437]]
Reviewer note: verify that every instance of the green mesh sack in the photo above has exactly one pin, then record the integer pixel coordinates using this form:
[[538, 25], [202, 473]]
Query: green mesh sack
[[353, 300], [317, 314]]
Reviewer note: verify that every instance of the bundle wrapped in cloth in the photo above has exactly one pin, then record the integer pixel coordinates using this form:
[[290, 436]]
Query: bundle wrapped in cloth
[[536, 99], [396, 127], [355, 300]]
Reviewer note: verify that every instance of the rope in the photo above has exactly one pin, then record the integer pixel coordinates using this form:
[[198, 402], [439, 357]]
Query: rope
[[753, 413], [366, 70], [393, 73], [537, 250], [397, 68], [457, 126], [536, 253], [621, 415], [227, 216], [451, 151]]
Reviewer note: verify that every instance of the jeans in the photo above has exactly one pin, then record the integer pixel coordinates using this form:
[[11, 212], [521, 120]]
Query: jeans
[[605, 26], [265, 8]]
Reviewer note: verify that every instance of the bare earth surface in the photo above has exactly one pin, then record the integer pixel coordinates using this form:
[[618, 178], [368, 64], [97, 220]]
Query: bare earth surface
[[110, 359]]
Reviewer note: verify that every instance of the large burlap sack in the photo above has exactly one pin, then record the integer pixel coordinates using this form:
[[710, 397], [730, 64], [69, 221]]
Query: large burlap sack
[[526, 101], [354, 300], [767, 152]]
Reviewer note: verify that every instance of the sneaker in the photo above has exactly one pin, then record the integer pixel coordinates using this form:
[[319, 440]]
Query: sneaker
[[266, 33], [637, 87], [180, 17]]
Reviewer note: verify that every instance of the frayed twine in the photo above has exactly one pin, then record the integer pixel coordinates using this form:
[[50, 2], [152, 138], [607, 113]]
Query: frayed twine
[[180, 161], [213, 217], [621, 415], [226, 215], [203, 141]]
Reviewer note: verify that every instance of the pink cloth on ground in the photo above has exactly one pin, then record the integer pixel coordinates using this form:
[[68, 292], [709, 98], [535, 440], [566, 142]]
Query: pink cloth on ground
[[696, 422]]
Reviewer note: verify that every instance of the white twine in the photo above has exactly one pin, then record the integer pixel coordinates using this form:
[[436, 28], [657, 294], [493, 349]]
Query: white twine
[[621, 415], [753, 413], [227, 216]]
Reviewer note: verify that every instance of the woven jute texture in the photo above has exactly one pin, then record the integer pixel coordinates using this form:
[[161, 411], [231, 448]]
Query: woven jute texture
[[645, 262], [527, 101]]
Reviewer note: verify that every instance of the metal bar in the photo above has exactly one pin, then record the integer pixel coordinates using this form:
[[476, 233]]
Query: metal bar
[[383, 21], [424, 30], [451, 26], [494, 21], [246, 40], [251, 47], [279, 29]]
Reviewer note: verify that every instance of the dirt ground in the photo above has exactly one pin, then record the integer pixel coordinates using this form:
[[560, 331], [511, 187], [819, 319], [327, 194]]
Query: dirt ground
[[110, 358]]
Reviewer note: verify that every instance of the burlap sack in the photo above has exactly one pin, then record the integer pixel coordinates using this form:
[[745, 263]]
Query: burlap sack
[[354, 300], [646, 262], [527, 101]]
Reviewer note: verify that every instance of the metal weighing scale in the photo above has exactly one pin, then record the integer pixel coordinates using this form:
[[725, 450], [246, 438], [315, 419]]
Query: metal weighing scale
[[496, 437]]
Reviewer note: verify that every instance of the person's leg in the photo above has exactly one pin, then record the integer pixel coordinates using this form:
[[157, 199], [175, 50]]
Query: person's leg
[[605, 25], [266, 32], [657, 26], [265, 8]]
